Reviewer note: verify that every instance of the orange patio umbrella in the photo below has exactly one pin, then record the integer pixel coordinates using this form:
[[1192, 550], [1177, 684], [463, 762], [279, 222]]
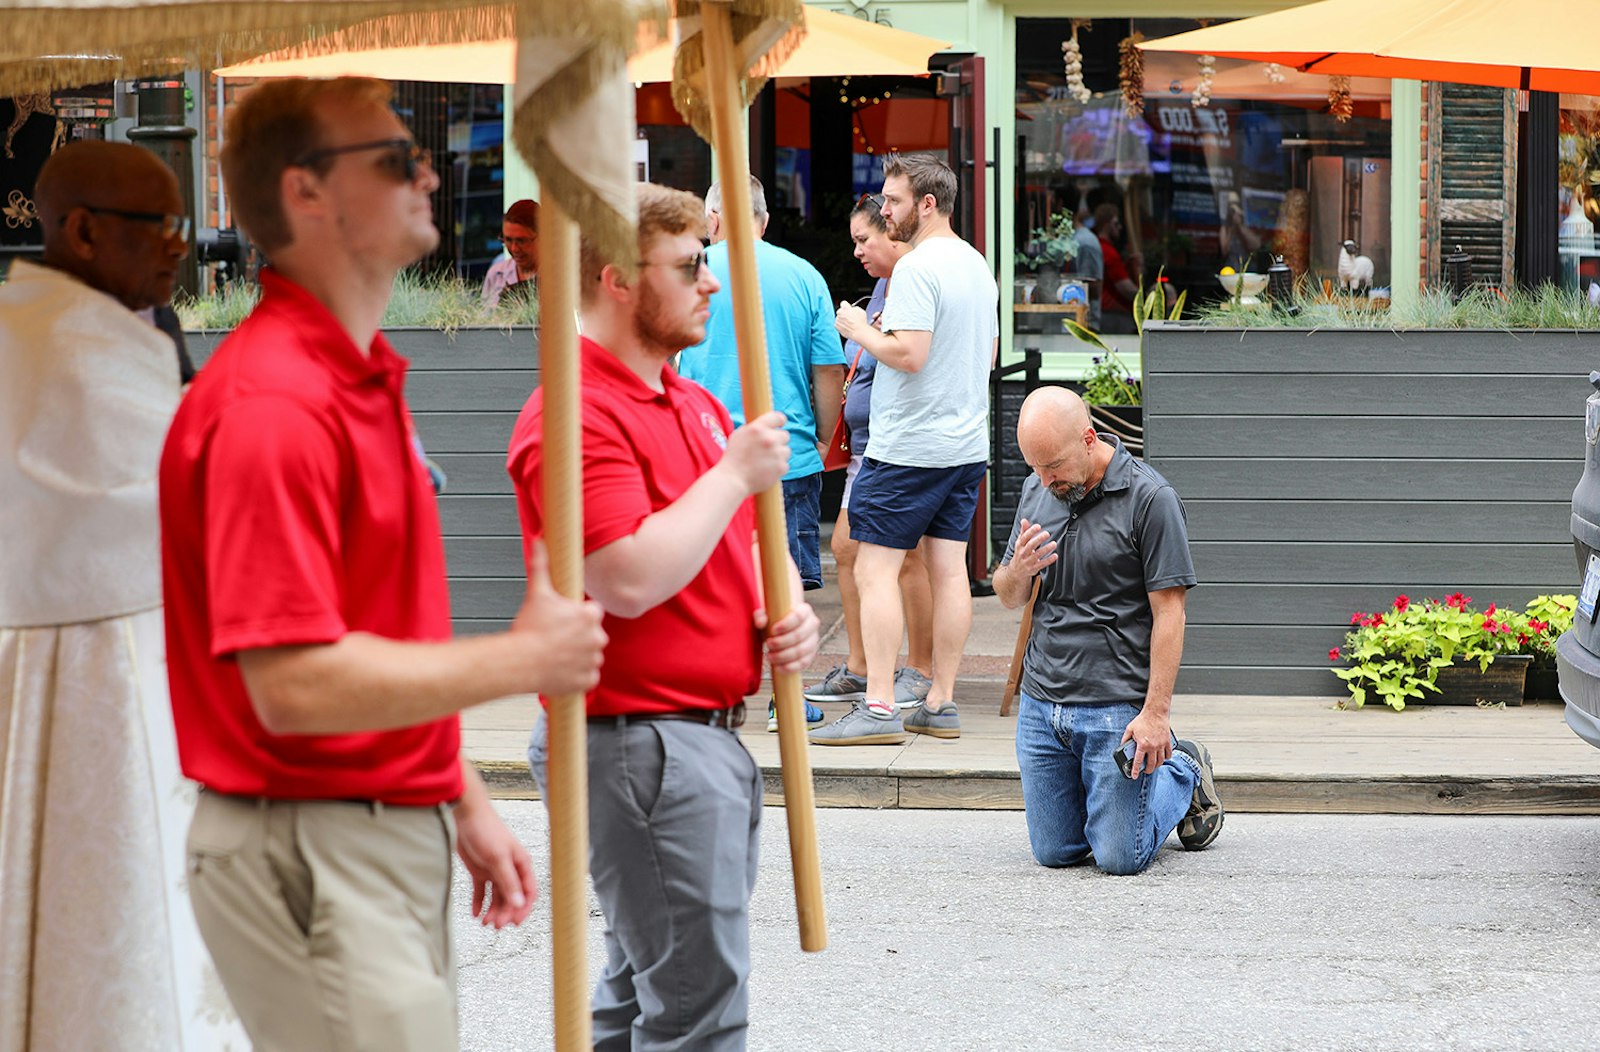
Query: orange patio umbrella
[[1491, 42], [834, 45]]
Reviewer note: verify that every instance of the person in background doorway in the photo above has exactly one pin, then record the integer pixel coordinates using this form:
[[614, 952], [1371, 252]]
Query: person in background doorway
[[515, 273], [878, 253], [1118, 290]]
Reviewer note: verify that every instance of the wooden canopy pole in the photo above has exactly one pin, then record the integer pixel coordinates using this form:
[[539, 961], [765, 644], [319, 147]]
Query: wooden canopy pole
[[733, 164], [562, 497]]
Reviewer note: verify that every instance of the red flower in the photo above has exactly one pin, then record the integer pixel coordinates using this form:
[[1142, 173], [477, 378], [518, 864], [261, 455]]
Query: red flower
[[1457, 601], [1537, 625], [1490, 625], [1359, 618], [1377, 619], [1489, 612], [1522, 638], [1401, 602], [1333, 654]]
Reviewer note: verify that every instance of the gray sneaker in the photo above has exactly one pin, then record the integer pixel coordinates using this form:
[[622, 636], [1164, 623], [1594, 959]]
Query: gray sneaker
[[840, 684], [1204, 820], [910, 688], [946, 723], [861, 726]]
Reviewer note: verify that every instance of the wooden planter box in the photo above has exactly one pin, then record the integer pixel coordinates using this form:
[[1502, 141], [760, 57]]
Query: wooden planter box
[[1325, 472], [1464, 683]]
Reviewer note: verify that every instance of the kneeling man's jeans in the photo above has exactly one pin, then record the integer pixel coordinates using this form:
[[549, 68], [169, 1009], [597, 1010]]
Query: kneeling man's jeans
[[1077, 800]]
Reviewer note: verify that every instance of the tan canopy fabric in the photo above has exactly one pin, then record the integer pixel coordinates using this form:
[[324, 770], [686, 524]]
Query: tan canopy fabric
[[1492, 42], [573, 118], [765, 32], [835, 45]]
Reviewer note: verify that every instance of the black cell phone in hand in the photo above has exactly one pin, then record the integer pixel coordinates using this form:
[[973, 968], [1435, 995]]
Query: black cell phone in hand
[[1124, 754]]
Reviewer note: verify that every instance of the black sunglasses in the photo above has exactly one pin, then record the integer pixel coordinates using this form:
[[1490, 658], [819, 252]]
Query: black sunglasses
[[172, 226], [688, 269], [402, 159]]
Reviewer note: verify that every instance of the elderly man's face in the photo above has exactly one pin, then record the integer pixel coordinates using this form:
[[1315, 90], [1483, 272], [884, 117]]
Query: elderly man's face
[[136, 253], [522, 243]]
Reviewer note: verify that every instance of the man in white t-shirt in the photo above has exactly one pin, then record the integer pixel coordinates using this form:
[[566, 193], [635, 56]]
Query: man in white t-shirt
[[930, 446]]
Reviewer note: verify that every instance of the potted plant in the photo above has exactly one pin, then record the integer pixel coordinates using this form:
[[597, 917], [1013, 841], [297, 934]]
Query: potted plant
[[1046, 254], [1548, 617], [1114, 394], [1440, 651]]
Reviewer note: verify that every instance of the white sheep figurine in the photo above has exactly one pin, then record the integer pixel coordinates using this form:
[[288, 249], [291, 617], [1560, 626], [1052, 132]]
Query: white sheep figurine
[[1355, 272]]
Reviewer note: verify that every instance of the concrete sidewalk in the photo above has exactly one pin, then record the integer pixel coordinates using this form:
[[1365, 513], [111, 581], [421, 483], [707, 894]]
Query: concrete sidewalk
[[1272, 753]]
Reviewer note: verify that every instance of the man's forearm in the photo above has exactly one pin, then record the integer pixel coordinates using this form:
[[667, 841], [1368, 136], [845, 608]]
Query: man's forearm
[[667, 551], [1166, 652], [890, 349], [1011, 586]]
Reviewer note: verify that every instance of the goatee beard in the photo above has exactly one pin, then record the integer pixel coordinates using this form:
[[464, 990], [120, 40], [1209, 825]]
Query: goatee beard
[[1069, 496]]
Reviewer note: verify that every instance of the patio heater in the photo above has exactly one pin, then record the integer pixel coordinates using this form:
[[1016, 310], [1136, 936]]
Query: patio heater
[[161, 129]]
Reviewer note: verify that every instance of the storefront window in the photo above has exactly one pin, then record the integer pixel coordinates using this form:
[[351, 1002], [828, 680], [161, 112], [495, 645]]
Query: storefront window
[[1206, 165]]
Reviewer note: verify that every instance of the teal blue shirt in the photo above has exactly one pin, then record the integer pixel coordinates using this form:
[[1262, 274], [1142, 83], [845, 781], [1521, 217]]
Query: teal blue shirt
[[800, 335]]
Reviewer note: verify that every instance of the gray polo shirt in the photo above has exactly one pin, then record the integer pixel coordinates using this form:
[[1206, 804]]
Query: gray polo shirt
[[1091, 626]]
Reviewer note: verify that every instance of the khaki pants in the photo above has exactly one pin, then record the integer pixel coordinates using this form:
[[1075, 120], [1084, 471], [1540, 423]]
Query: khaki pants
[[328, 921]]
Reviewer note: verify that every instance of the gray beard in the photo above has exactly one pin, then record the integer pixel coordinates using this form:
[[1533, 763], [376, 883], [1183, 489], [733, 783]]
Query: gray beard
[[1071, 496]]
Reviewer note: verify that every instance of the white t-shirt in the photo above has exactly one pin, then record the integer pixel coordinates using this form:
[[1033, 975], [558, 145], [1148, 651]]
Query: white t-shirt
[[939, 417]]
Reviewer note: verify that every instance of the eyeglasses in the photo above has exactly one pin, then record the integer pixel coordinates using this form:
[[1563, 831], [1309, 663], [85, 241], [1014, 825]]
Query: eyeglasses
[[875, 200], [172, 226], [517, 242], [688, 269], [402, 158]]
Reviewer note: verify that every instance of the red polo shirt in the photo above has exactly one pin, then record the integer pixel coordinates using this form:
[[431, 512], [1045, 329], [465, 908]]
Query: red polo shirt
[[295, 507], [641, 451]]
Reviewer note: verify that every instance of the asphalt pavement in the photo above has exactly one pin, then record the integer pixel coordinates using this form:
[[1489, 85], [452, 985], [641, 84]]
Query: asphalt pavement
[[1294, 932]]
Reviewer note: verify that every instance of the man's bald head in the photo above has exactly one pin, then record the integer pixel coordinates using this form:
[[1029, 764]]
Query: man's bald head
[[1059, 443], [101, 204], [1050, 414]]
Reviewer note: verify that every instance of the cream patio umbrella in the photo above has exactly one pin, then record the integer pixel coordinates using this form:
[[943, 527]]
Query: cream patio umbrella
[[1499, 43], [573, 121]]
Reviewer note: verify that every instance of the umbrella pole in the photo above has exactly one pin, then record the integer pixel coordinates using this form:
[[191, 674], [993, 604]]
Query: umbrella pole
[[562, 496], [733, 164]]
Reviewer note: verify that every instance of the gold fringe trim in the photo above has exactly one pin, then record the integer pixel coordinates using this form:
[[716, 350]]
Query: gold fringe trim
[[613, 233], [91, 44], [689, 94]]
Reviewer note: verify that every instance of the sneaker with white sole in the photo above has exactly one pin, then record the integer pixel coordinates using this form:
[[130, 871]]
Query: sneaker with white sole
[[814, 716], [1204, 820], [943, 723], [840, 684], [910, 688], [862, 725]]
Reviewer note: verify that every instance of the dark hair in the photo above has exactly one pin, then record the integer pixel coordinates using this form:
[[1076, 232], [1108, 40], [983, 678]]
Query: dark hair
[[870, 208], [524, 213], [927, 175]]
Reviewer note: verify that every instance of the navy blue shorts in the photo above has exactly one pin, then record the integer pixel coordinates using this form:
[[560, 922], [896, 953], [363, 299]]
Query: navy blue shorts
[[895, 507]]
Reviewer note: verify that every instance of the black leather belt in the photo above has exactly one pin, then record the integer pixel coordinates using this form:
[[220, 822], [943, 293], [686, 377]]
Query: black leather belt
[[730, 718]]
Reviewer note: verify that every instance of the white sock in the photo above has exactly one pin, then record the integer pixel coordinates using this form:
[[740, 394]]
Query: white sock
[[880, 710]]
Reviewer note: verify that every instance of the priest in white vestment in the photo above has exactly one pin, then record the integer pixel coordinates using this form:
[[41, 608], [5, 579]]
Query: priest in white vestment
[[98, 945]]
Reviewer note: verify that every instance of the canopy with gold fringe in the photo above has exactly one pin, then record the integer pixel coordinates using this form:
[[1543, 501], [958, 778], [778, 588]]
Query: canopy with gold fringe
[[764, 33], [571, 121]]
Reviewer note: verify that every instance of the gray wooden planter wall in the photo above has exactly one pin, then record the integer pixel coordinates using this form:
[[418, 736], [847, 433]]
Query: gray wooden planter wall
[[1327, 472], [465, 393]]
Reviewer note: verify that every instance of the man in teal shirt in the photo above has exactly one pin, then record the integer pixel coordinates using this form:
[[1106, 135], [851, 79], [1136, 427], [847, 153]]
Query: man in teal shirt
[[804, 354]]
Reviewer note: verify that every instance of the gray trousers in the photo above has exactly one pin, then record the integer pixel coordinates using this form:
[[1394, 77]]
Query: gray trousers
[[674, 823]]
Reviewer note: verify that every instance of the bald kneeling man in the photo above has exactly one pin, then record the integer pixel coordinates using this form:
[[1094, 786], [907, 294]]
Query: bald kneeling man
[[1106, 537], [98, 944]]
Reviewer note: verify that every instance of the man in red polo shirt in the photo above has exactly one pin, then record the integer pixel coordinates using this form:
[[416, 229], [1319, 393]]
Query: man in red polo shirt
[[674, 798], [314, 684]]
